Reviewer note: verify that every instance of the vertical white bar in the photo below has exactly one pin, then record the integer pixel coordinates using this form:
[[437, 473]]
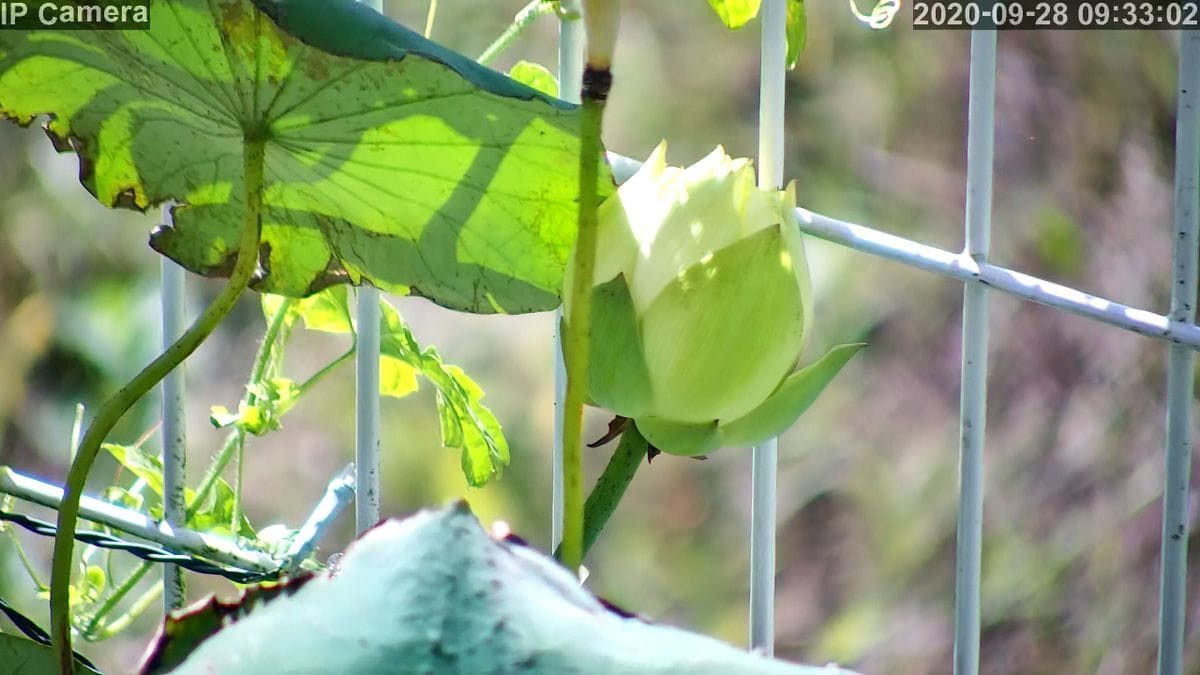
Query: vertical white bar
[[973, 411], [174, 430], [765, 457], [570, 80], [1181, 361], [366, 398]]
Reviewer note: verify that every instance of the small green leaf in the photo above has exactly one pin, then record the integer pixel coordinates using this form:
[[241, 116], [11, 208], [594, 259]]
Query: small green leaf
[[396, 377], [535, 75], [93, 582], [220, 417], [735, 13], [466, 424], [140, 463], [327, 311], [115, 494], [797, 31], [794, 396], [216, 514]]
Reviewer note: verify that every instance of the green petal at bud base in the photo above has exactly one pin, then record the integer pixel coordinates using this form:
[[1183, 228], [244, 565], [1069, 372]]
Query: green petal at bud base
[[781, 409], [794, 396], [702, 307], [721, 336], [617, 377]]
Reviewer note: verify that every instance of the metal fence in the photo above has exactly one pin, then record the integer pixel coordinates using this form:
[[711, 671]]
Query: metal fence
[[1177, 328]]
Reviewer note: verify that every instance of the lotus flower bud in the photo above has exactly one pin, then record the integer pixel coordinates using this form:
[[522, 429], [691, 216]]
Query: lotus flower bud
[[701, 306]]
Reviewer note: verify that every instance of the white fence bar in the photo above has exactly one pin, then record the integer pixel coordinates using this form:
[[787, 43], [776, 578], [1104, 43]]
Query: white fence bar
[[1181, 363], [570, 82], [176, 539], [338, 495], [765, 457], [973, 410], [366, 405], [366, 397], [174, 428], [962, 267]]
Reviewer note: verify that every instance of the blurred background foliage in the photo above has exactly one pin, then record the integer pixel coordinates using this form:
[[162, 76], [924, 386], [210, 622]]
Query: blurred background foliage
[[876, 130]]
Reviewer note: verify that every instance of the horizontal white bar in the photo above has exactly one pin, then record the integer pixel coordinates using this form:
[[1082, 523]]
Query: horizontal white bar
[[962, 267], [177, 539]]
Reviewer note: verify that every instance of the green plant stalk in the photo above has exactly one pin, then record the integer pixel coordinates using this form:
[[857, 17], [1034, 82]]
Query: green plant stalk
[[138, 608], [236, 519], [233, 441], [28, 564], [116, 407], [320, 374], [576, 346], [262, 360], [611, 485], [523, 20], [131, 581]]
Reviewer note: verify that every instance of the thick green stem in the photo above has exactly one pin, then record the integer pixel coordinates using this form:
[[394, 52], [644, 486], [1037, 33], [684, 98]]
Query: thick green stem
[[90, 630], [522, 21], [578, 334], [116, 407], [611, 485]]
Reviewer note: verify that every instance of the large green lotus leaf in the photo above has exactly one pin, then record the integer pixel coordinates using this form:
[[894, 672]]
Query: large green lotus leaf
[[389, 160], [436, 594]]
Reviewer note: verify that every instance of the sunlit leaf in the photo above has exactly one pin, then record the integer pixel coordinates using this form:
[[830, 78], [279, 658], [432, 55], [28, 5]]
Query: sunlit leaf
[[735, 13], [466, 424], [535, 75], [797, 31], [144, 465], [326, 311], [396, 161], [397, 378], [215, 516]]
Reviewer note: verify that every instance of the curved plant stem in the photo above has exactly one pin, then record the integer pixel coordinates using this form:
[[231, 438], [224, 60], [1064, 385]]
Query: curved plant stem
[[116, 407], [523, 20], [329, 367], [611, 485], [89, 631]]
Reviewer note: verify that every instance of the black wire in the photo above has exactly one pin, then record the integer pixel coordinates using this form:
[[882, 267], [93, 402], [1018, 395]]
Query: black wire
[[147, 552], [34, 632]]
